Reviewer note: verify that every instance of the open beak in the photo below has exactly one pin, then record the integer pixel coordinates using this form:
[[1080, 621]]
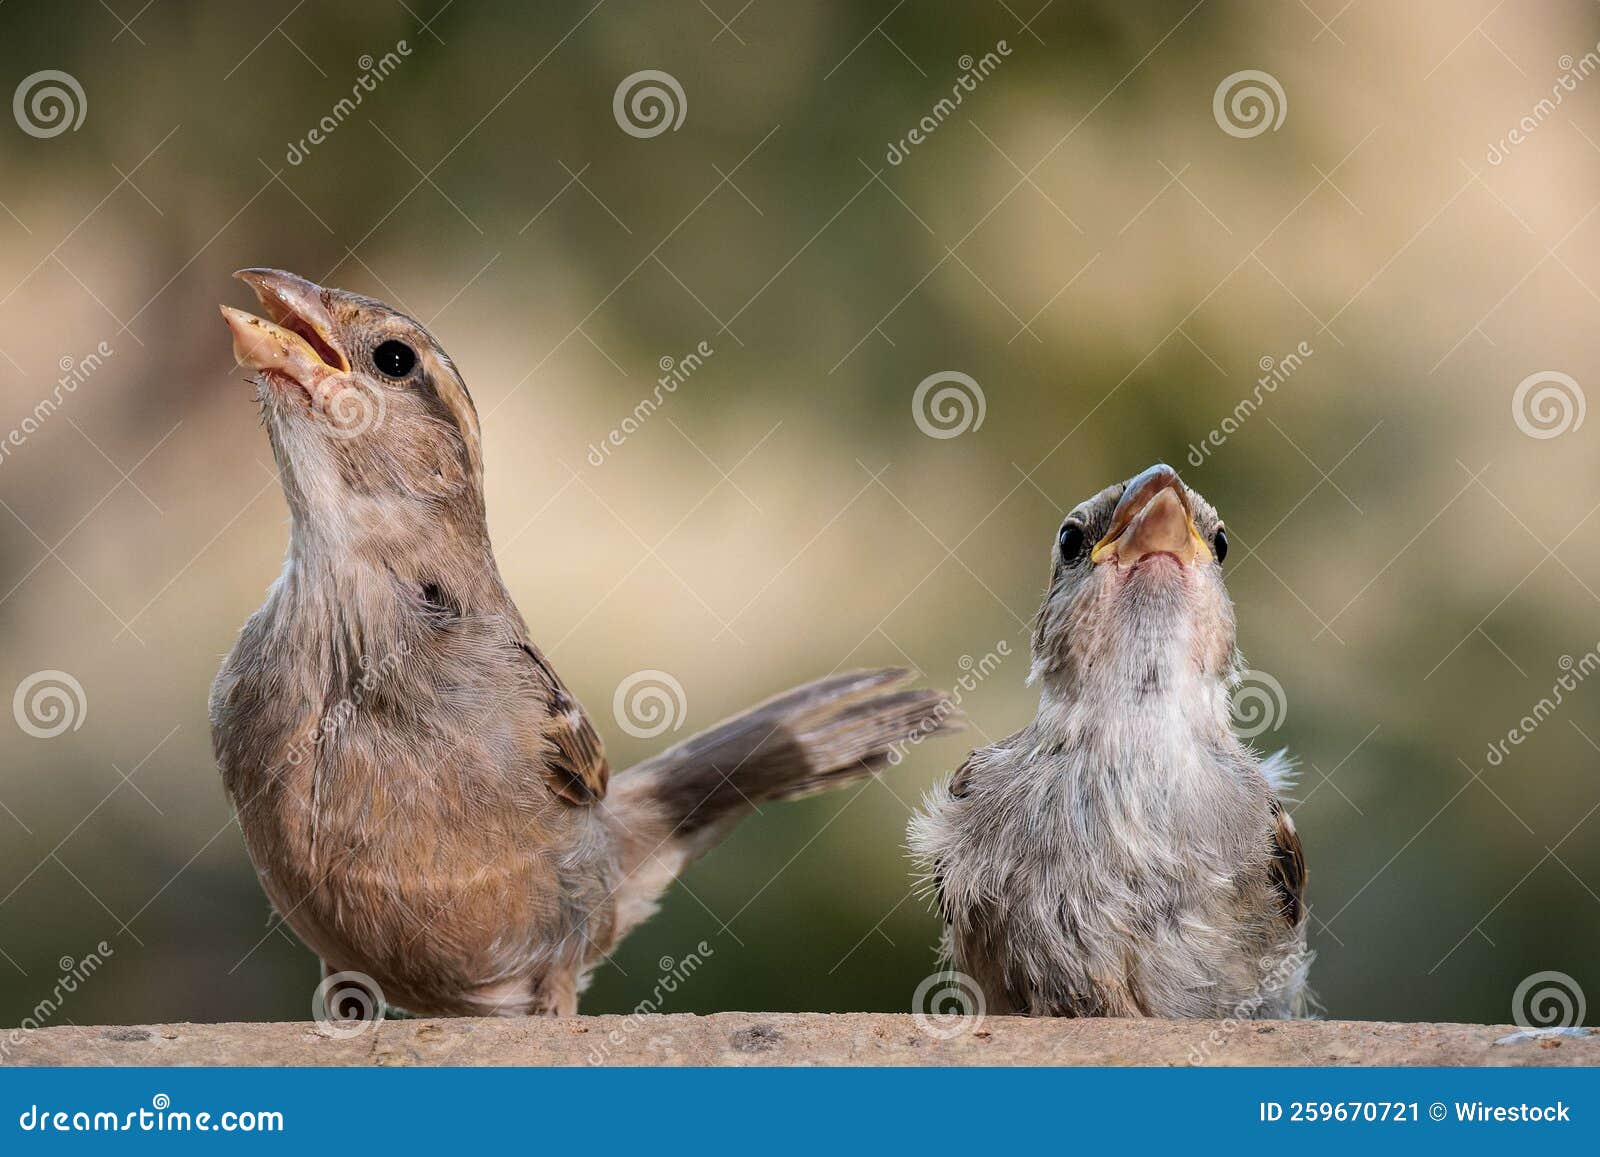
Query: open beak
[[298, 341], [1152, 518]]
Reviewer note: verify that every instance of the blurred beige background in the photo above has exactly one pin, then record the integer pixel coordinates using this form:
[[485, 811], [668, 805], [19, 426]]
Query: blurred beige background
[[1081, 236]]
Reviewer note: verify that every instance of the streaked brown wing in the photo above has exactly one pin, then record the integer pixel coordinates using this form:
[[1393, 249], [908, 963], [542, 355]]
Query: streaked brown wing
[[959, 782], [1288, 867], [575, 763]]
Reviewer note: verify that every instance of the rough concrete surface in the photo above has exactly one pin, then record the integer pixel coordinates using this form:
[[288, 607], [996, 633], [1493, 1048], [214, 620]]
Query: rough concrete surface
[[741, 1038]]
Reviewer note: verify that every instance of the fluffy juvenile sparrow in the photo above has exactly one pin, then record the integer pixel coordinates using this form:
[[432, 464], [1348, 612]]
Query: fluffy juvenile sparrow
[[423, 799], [1124, 854]]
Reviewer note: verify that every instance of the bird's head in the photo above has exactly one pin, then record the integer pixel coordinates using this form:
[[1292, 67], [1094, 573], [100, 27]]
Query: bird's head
[[1137, 604], [373, 428]]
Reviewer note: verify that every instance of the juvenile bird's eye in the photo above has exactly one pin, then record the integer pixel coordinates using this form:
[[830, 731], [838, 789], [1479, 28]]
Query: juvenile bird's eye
[[1071, 542], [394, 359], [1219, 544]]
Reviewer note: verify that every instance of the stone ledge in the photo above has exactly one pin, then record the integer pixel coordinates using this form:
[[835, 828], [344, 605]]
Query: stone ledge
[[741, 1038]]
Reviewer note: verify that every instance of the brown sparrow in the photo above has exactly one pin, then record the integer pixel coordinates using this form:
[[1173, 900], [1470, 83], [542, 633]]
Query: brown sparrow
[[424, 801], [1125, 854]]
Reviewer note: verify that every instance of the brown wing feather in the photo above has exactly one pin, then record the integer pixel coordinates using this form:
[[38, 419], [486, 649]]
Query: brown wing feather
[[960, 782], [1288, 867], [575, 762]]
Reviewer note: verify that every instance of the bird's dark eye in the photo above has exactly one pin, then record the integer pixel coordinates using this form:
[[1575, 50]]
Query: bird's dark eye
[[1071, 542], [394, 359], [1219, 544]]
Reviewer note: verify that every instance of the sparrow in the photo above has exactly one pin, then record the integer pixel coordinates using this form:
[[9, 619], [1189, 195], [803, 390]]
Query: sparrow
[[1125, 854], [425, 802]]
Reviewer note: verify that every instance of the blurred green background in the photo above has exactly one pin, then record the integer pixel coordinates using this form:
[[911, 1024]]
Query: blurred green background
[[1080, 236]]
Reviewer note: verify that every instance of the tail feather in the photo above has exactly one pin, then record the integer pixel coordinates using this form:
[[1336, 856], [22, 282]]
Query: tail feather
[[846, 740], [676, 805]]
